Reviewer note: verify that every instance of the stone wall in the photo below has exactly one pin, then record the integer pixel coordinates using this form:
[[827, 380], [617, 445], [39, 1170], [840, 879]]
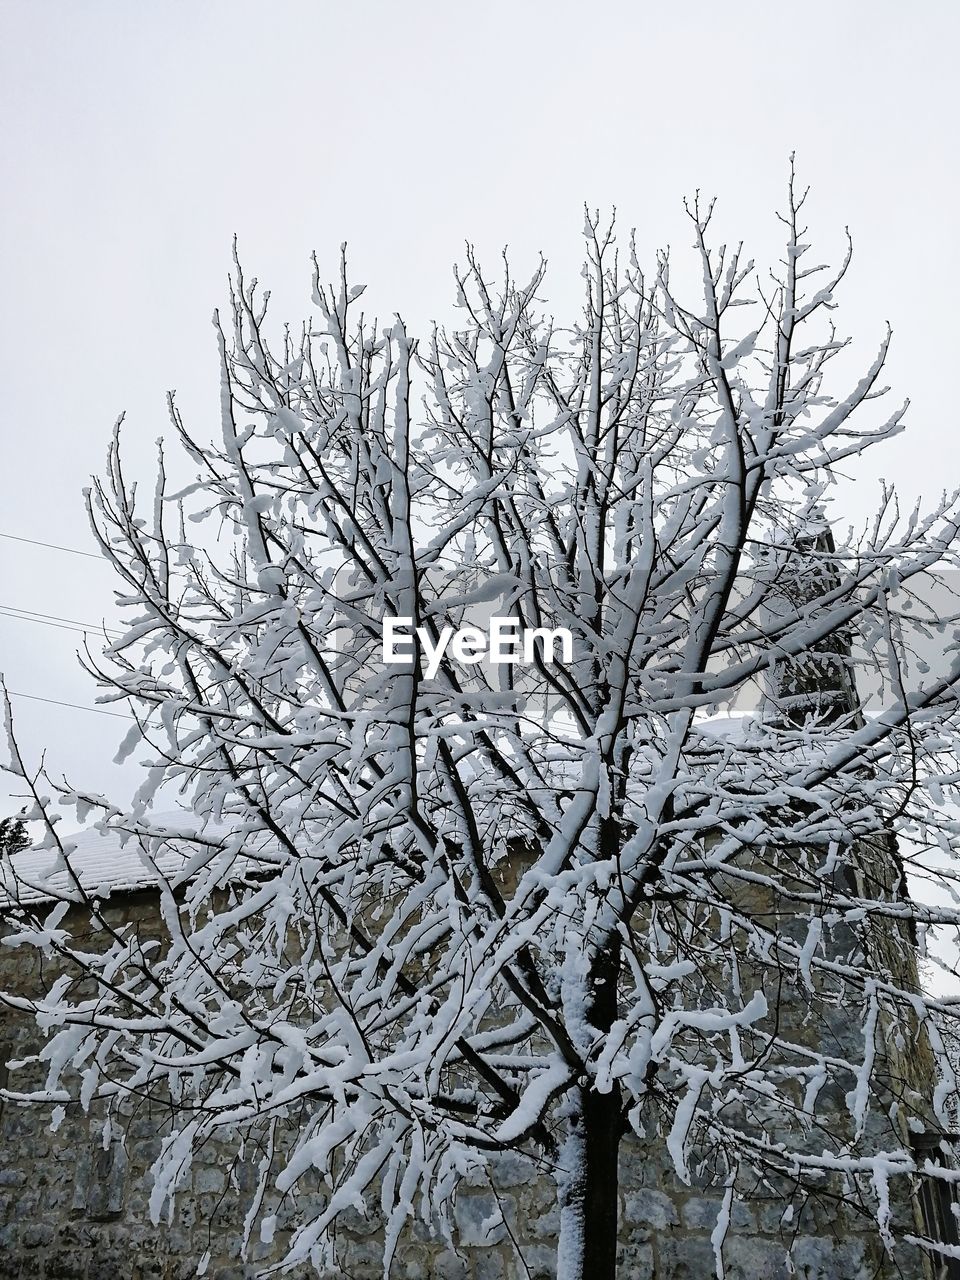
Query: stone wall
[[72, 1209]]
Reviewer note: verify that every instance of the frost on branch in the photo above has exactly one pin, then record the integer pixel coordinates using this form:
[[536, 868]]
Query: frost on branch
[[424, 917]]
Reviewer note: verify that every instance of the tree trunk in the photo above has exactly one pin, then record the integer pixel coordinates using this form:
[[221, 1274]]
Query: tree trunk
[[589, 1186], [602, 1122], [589, 1198]]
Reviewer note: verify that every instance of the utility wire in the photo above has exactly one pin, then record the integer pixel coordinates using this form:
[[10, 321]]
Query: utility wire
[[64, 624], [59, 626], [97, 711], [54, 546], [55, 619]]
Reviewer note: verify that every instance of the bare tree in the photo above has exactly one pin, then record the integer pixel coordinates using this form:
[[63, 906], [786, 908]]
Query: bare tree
[[433, 914]]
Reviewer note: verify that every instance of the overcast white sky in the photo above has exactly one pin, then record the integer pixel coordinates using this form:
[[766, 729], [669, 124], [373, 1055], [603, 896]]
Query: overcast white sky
[[138, 138]]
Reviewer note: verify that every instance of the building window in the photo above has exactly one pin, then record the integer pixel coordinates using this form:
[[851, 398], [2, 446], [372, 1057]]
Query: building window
[[940, 1200]]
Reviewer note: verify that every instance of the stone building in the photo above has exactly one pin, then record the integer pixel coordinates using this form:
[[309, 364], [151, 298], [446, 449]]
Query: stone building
[[74, 1201]]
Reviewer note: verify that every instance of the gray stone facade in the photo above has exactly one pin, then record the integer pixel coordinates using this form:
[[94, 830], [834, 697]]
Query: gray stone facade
[[74, 1209], [71, 1211]]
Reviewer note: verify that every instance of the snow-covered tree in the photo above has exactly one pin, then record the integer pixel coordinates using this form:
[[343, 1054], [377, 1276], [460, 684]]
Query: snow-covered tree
[[429, 915], [13, 836]]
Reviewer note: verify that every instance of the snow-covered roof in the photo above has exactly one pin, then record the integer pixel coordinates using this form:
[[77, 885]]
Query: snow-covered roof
[[734, 724], [105, 862], [112, 861]]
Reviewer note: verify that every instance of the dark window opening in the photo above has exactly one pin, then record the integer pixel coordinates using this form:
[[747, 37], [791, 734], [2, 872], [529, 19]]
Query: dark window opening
[[940, 1200]]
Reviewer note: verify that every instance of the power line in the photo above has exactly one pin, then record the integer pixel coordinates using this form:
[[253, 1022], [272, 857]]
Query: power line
[[97, 711], [63, 624], [54, 546], [55, 620], [59, 626]]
